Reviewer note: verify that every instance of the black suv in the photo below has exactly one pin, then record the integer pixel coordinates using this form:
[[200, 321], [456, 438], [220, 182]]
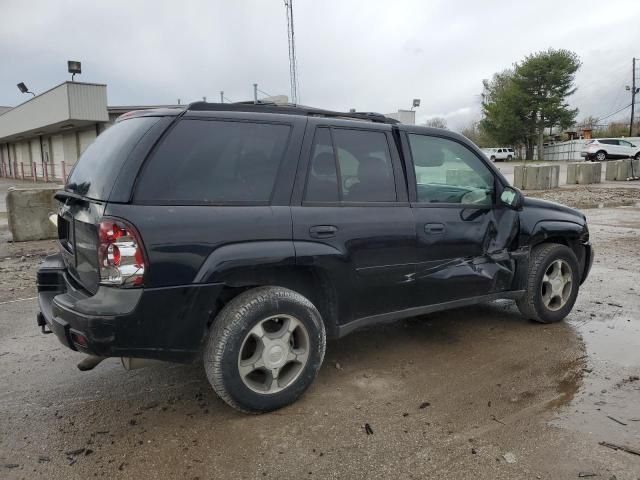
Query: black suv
[[245, 234]]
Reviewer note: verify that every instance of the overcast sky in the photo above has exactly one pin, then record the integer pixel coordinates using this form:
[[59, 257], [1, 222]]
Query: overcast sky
[[369, 55]]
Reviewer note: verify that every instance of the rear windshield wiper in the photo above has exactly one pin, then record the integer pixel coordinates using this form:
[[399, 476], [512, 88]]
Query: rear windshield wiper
[[64, 195]]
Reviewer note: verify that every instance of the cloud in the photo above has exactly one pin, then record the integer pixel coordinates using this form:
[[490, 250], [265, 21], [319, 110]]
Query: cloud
[[371, 55]]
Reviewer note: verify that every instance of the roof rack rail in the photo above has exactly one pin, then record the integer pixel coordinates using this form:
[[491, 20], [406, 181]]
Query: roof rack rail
[[289, 109]]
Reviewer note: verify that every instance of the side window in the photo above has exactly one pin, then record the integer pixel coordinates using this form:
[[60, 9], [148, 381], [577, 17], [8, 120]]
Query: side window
[[203, 161], [624, 143], [448, 172], [362, 173], [364, 164], [322, 180]]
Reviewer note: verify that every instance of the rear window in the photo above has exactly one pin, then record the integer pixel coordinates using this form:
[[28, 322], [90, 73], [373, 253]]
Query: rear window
[[95, 172], [204, 161]]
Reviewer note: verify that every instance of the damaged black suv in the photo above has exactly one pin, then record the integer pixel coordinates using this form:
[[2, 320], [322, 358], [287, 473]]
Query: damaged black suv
[[246, 234]]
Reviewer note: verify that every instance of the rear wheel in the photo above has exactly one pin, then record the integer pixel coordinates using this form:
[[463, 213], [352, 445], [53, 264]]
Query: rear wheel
[[552, 283], [265, 348], [601, 156]]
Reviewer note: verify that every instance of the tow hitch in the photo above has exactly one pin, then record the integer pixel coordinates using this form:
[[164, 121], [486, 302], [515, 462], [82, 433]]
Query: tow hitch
[[42, 324]]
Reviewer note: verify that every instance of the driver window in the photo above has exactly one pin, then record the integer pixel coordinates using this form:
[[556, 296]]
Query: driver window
[[448, 172]]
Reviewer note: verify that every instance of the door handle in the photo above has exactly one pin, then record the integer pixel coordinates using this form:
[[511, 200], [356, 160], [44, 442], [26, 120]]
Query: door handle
[[323, 231], [434, 228]]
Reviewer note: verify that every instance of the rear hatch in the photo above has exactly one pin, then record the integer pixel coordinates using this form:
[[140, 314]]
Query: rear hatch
[[87, 192]]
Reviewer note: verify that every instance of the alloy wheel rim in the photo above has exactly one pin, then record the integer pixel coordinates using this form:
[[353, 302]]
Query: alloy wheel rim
[[273, 354], [600, 156], [557, 284]]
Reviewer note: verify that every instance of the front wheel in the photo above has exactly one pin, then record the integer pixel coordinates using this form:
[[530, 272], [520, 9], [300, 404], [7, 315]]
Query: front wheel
[[552, 283], [265, 349], [637, 157], [509, 158]]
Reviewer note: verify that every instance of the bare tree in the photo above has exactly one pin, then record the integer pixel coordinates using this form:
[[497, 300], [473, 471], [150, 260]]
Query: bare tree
[[436, 122]]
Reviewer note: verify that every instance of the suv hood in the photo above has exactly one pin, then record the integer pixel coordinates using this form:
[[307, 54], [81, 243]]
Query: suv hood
[[554, 211]]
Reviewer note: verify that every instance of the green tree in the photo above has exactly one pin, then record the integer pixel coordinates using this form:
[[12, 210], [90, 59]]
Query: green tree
[[505, 119], [519, 104], [545, 80]]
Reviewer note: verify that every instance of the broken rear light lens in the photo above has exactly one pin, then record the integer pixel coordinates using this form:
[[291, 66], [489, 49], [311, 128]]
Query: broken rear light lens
[[120, 255]]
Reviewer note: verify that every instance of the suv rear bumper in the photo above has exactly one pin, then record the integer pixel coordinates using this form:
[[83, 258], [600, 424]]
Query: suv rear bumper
[[168, 323]]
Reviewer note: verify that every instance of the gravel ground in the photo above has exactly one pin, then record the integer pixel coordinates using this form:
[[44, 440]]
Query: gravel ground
[[584, 196]]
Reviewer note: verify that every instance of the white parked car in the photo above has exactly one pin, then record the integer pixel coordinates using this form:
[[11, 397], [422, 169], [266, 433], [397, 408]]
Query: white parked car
[[500, 153], [601, 149]]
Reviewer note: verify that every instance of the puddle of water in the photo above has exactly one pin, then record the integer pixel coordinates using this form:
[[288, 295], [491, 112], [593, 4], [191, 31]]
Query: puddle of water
[[610, 385]]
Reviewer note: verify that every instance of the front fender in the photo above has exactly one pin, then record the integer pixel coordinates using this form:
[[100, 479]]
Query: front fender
[[547, 229]]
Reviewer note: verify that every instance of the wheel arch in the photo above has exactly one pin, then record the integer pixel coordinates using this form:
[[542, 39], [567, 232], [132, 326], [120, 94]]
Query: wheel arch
[[569, 234], [312, 283]]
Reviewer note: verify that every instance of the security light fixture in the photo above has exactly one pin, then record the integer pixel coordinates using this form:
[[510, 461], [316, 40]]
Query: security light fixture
[[416, 103], [74, 67], [23, 88]]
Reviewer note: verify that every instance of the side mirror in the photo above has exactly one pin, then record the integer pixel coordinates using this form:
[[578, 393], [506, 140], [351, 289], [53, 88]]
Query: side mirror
[[512, 197]]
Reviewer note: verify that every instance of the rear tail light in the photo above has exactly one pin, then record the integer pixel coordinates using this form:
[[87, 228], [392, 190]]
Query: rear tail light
[[120, 255]]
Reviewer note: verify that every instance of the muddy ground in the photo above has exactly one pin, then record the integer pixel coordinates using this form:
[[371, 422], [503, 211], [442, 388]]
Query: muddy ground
[[472, 393]]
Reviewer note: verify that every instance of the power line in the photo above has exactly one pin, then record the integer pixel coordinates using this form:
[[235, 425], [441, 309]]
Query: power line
[[611, 114]]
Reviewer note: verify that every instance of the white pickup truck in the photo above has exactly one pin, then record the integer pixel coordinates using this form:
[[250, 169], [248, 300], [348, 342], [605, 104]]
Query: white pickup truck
[[500, 153]]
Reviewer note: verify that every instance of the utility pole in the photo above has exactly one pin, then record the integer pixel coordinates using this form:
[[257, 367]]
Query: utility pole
[[633, 96], [221, 96], [255, 93], [293, 62]]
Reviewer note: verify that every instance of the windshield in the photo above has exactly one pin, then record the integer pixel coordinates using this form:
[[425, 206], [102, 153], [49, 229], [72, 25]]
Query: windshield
[[95, 172]]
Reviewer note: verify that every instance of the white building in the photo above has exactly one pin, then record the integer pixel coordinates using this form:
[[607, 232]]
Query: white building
[[42, 138], [403, 116]]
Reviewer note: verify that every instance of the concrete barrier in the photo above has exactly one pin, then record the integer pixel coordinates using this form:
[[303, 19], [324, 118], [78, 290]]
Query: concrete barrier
[[28, 211], [621, 170], [536, 177], [584, 173]]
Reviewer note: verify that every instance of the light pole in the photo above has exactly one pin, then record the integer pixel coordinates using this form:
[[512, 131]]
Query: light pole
[[23, 88], [74, 67]]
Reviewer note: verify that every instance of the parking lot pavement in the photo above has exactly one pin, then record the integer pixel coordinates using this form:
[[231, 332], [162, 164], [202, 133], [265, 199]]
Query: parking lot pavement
[[472, 393]]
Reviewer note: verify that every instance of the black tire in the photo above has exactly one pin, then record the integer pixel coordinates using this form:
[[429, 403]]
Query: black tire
[[601, 154], [231, 327], [509, 158], [637, 157], [531, 305], [493, 158]]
